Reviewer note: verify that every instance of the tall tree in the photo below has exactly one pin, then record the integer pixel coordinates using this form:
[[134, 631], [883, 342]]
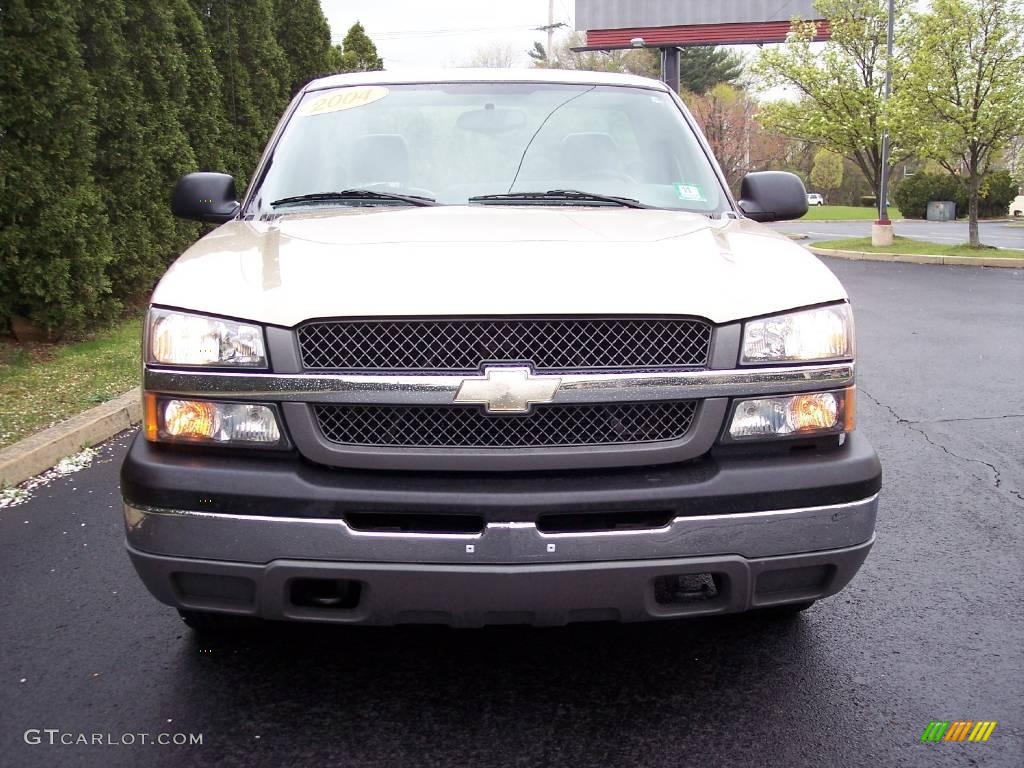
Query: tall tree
[[962, 100], [305, 37], [254, 73], [161, 69], [841, 102], [827, 171], [701, 68], [357, 52], [202, 112], [125, 168], [54, 238]]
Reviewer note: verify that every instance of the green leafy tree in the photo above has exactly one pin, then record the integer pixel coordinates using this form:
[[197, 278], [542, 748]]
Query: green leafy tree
[[962, 99], [827, 171], [305, 37], [357, 53], [54, 237], [840, 87], [254, 73]]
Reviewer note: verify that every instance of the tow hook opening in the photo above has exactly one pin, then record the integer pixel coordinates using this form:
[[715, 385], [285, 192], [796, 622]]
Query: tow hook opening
[[332, 594], [687, 588]]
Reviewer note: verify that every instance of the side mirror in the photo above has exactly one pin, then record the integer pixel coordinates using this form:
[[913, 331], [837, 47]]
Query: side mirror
[[205, 196], [773, 196]]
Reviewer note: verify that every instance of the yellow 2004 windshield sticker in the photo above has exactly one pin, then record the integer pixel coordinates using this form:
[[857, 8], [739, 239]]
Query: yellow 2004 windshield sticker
[[347, 98]]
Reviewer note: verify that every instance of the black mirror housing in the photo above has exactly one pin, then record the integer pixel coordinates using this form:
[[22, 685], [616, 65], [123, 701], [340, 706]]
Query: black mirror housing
[[205, 196], [773, 196]]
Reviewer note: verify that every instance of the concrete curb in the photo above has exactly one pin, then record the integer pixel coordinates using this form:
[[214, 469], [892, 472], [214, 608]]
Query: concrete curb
[[845, 221], [920, 258], [38, 452]]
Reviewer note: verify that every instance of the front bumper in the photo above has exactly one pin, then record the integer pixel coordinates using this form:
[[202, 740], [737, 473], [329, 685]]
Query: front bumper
[[235, 534]]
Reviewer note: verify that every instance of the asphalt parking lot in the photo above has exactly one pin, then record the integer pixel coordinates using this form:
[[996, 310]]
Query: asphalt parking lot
[[929, 630], [1001, 234]]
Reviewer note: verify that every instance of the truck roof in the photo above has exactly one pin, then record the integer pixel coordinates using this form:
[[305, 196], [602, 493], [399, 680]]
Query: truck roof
[[485, 76]]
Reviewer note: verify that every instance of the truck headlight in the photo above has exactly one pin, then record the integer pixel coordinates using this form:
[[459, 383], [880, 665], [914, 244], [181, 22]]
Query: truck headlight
[[806, 415], [823, 333], [182, 338], [174, 420]]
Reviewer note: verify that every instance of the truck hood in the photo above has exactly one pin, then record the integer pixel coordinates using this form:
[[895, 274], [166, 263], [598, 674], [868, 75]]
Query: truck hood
[[484, 260]]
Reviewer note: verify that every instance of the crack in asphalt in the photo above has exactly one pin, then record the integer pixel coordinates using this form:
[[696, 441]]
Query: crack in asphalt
[[912, 425], [971, 418]]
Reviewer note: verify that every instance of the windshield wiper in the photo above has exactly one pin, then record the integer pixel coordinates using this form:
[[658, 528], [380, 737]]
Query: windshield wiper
[[353, 194], [564, 195]]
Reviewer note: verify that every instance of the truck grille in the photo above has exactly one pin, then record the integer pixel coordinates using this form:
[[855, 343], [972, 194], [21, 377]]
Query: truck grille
[[445, 426], [551, 345]]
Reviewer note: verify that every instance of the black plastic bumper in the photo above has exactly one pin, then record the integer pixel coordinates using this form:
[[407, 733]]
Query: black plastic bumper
[[464, 595], [285, 485]]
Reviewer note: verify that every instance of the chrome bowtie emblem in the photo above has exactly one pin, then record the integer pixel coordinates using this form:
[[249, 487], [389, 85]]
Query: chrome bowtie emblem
[[508, 390]]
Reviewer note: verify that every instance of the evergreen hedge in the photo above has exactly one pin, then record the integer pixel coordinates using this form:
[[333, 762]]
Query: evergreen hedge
[[55, 240], [104, 104]]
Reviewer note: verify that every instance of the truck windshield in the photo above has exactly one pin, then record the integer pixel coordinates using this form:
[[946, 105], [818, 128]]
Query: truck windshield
[[460, 143]]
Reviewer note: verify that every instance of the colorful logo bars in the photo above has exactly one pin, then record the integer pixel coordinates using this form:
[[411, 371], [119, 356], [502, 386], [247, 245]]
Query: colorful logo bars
[[958, 730]]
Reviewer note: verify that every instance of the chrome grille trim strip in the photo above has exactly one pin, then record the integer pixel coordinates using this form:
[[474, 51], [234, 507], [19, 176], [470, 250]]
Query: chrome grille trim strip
[[441, 389]]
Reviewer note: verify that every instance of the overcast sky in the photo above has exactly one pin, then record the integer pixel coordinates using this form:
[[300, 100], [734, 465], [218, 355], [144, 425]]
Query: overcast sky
[[419, 34]]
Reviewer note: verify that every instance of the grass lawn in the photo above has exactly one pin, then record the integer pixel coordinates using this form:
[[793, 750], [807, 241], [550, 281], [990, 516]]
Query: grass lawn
[[846, 213], [42, 384], [908, 245]]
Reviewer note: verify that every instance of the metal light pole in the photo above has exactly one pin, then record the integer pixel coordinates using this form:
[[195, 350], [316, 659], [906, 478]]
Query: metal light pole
[[881, 233]]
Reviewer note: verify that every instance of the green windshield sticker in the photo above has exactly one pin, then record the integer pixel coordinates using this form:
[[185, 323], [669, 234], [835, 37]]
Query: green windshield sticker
[[690, 192]]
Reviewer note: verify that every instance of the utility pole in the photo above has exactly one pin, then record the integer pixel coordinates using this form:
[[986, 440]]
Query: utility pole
[[881, 232], [550, 28]]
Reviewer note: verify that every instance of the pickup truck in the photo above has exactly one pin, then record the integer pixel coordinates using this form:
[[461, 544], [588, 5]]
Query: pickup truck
[[488, 347]]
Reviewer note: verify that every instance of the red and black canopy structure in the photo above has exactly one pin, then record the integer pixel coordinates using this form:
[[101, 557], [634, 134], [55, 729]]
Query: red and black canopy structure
[[674, 24]]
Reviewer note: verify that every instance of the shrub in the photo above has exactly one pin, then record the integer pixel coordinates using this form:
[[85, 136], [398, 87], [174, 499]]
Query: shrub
[[913, 194], [997, 192]]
